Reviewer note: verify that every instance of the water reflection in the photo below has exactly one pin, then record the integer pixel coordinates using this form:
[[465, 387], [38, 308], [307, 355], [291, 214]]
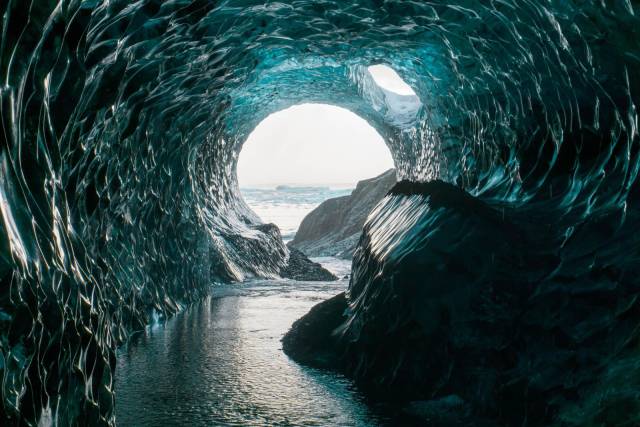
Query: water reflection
[[220, 363]]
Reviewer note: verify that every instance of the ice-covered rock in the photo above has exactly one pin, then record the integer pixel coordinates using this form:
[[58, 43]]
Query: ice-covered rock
[[311, 340], [516, 312], [299, 267], [294, 265]]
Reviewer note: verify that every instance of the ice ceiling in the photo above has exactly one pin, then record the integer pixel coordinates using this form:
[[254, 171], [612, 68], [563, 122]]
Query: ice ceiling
[[122, 122]]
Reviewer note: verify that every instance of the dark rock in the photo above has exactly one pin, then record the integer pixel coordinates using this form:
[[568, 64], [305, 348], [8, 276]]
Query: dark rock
[[334, 227], [311, 340], [299, 267], [447, 411], [456, 296]]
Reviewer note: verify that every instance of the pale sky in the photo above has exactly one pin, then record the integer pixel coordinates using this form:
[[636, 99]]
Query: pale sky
[[312, 144], [317, 144]]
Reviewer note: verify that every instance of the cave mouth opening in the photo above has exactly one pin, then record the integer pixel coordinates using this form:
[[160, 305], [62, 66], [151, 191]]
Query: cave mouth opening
[[300, 156]]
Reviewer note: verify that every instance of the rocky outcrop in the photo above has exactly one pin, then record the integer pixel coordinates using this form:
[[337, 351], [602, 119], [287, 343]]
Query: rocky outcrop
[[299, 267], [472, 309], [334, 227], [290, 262], [311, 339]]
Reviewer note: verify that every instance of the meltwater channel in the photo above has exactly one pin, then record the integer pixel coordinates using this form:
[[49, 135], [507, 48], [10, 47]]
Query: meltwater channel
[[221, 363]]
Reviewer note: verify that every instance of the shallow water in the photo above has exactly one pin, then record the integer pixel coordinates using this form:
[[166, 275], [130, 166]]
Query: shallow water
[[221, 363]]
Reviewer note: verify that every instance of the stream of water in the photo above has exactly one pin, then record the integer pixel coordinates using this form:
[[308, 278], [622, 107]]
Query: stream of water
[[220, 362]]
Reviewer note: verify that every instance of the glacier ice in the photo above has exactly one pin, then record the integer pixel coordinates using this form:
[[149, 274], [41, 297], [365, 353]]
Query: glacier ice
[[122, 122]]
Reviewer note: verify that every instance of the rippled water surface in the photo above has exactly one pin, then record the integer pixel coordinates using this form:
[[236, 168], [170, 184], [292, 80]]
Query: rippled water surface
[[286, 206], [220, 363]]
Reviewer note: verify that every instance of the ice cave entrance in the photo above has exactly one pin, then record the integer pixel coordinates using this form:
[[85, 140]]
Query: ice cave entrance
[[300, 156]]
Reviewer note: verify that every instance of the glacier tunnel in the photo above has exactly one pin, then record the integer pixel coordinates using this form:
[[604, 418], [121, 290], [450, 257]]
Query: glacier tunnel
[[504, 268]]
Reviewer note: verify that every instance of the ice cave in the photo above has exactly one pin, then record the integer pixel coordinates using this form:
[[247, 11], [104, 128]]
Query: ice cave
[[499, 279]]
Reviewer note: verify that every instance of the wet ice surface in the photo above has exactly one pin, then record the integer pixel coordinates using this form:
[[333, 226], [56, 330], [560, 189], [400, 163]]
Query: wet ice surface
[[221, 363]]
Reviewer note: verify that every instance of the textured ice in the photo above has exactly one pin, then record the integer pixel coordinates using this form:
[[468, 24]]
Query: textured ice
[[528, 314], [122, 122]]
